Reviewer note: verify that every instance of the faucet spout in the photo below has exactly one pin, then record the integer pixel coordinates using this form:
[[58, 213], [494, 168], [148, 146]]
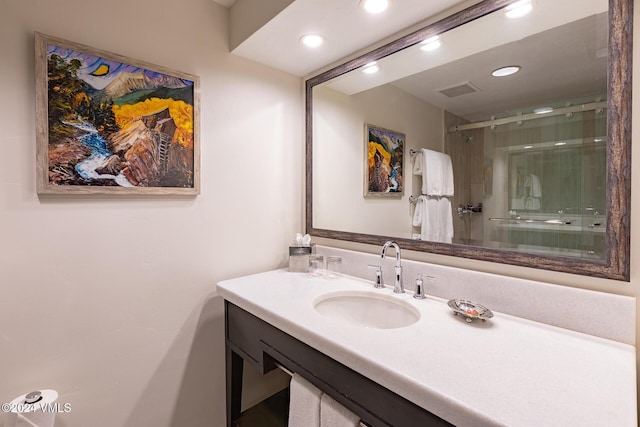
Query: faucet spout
[[395, 246], [398, 287]]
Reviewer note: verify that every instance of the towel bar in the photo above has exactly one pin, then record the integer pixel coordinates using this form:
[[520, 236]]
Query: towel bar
[[520, 220], [285, 370]]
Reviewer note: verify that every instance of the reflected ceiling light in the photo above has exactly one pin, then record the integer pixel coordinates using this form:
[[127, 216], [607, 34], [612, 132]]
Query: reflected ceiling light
[[374, 6], [519, 9], [543, 110], [312, 40], [526, 147], [560, 143], [371, 68], [432, 43], [506, 71]]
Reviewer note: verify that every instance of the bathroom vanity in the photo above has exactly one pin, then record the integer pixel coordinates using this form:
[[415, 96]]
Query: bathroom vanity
[[438, 370]]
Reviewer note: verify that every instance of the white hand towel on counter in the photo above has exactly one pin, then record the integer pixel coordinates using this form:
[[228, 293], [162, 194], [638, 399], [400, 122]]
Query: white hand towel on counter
[[333, 414], [304, 403], [437, 173]]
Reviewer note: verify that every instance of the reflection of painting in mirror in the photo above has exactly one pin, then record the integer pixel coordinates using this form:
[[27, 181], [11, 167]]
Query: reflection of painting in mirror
[[385, 160], [448, 101]]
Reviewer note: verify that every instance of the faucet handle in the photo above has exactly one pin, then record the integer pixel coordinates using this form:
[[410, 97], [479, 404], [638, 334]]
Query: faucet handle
[[379, 282], [419, 292]]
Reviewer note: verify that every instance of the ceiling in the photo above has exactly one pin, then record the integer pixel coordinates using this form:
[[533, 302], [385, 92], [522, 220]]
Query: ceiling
[[575, 49], [345, 26], [562, 50], [576, 75]]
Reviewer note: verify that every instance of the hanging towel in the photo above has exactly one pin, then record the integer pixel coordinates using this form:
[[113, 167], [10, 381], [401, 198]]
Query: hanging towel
[[447, 175], [532, 183], [437, 173], [446, 220], [532, 204], [430, 225], [333, 414], [418, 212], [436, 219], [304, 403], [418, 163]]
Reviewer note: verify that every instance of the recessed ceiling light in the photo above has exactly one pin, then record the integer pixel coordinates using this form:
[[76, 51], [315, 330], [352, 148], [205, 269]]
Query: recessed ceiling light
[[506, 71], [560, 143], [374, 6], [526, 147], [312, 40], [543, 110], [371, 68], [597, 139], [518, 9], [432, 43]]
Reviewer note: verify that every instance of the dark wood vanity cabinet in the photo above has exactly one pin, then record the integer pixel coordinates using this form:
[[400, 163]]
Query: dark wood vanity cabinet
[[265, 346]]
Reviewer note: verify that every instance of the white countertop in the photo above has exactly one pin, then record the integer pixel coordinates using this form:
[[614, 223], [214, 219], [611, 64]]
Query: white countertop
[[507, 371]]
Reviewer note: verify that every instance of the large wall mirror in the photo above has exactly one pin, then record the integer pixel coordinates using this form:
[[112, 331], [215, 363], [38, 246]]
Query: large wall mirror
[[525, 165]]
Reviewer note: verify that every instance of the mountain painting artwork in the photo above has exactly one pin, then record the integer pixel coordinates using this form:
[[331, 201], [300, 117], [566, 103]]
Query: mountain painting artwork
[[109, 124], [384, 162]]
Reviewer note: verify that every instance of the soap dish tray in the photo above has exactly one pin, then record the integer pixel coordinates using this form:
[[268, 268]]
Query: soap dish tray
[[470, 310]]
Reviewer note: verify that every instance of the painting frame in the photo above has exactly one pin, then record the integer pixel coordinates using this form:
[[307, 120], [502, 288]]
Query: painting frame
[[384, 162], [150, 147]]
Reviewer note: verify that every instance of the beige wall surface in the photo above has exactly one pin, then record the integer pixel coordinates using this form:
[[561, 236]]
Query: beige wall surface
[[111, 300], [338, 121]]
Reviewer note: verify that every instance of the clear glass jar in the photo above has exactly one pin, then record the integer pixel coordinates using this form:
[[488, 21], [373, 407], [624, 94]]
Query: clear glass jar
[[334, 267], [316, 265]]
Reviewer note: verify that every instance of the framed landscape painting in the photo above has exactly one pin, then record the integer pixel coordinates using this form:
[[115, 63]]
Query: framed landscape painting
[[384, 161], [108, 124]]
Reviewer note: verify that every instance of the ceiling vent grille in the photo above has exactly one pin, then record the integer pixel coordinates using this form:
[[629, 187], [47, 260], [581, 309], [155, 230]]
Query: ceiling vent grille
[[459, 90]]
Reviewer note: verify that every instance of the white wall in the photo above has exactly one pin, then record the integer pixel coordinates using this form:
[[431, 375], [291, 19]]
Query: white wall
[[339, 120], [111, 300]]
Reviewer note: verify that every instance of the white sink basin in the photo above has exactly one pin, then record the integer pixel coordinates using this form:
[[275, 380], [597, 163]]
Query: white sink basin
[[367, 309]]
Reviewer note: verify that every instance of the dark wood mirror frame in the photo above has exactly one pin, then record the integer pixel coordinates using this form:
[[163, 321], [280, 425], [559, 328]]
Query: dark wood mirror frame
[[616, 264]]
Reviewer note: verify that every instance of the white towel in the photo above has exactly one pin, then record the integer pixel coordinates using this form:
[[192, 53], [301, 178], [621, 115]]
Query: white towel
[[447, 175], [532, 182], [536, 188], [418, 212], [446, 220], [532, 204], [437, 173], [304, 403], [436, 219], [333, 414], [418, 162]]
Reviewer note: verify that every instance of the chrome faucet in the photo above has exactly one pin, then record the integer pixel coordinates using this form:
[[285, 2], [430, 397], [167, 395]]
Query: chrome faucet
[[398, 287]]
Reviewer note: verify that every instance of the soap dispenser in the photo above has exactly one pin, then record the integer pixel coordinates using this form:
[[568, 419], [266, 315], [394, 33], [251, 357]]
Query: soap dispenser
[[379, 283], [419, 292]]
